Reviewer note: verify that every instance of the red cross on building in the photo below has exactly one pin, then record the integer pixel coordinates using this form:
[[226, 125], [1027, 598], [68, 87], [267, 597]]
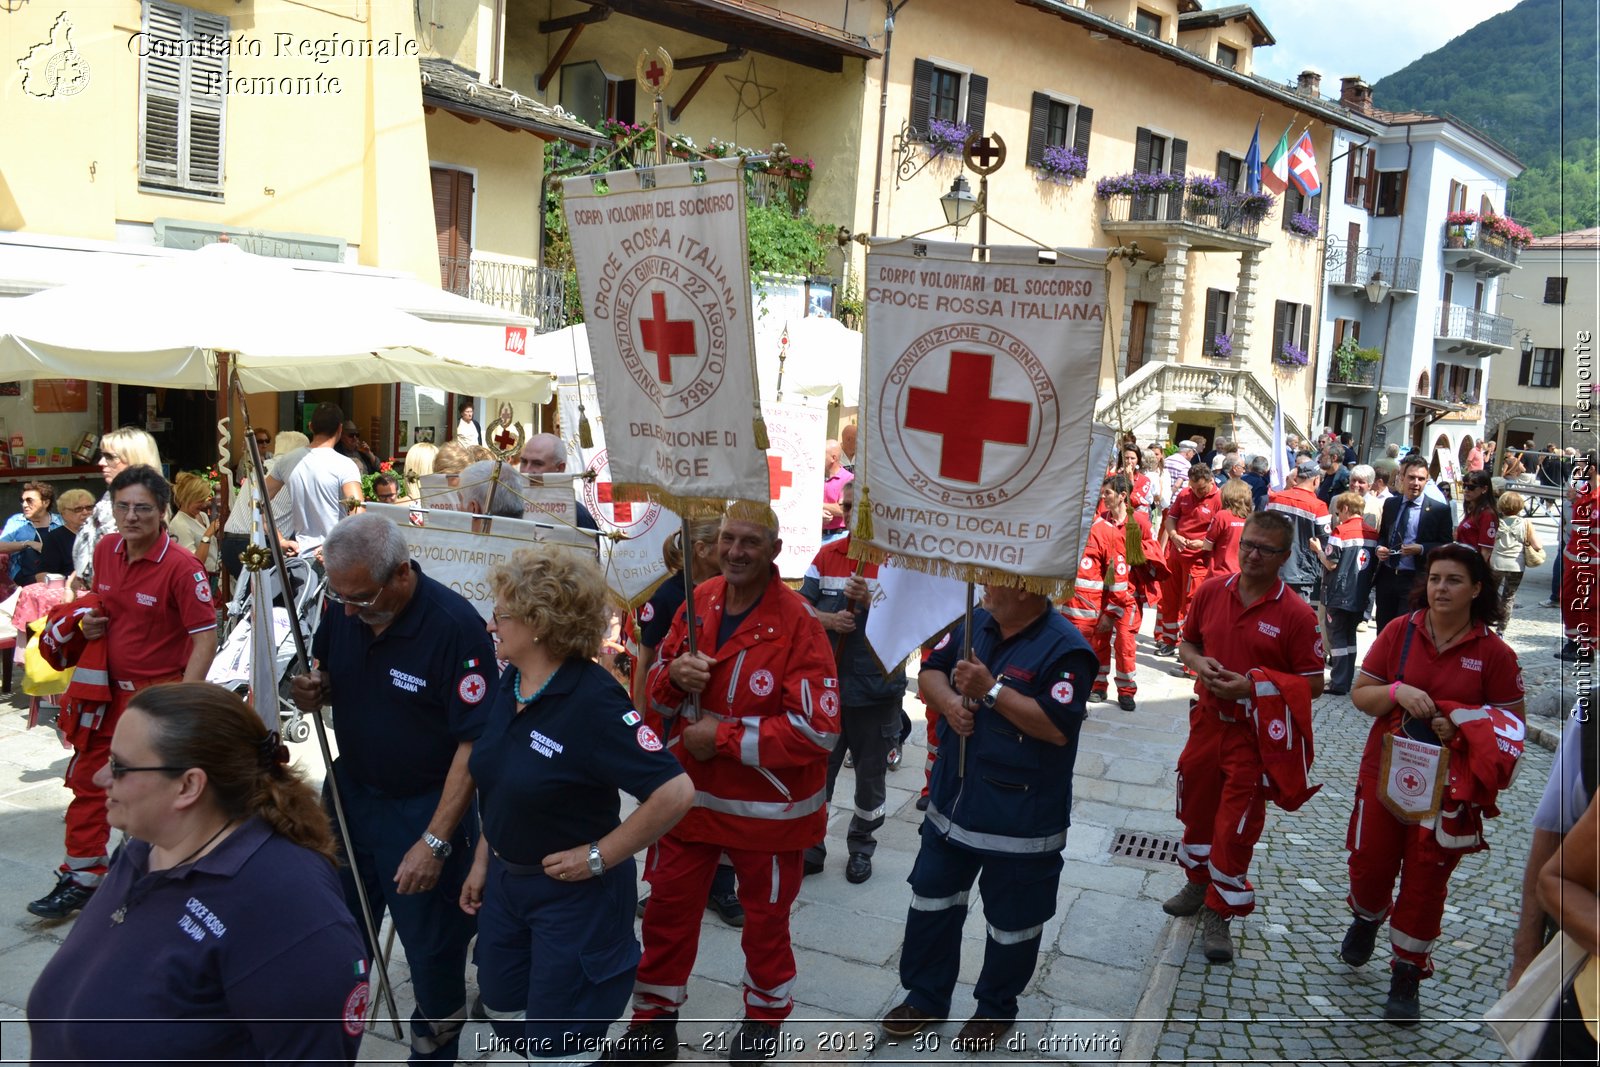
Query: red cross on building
[[621, 510], [967, 416], [653, 73], [664, 338], [505, 438], [777, 477]]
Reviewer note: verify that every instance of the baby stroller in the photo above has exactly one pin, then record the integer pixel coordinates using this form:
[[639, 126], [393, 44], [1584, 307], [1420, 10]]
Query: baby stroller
[[231, 668]]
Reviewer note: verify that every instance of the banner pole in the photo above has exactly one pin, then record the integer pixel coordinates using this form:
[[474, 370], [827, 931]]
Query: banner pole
[[966, 653], [688, 608]]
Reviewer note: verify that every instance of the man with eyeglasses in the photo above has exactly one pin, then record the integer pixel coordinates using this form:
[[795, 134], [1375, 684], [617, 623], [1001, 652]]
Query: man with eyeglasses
[[24, 534], [406, 665], [1237, 622], [151, 620]]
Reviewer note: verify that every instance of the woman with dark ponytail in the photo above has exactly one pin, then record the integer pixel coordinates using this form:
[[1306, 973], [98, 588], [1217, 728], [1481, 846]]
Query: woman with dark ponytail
[[220, 931]]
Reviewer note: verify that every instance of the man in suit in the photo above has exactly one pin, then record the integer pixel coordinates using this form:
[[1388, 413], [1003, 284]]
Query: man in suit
[[1413, 525]]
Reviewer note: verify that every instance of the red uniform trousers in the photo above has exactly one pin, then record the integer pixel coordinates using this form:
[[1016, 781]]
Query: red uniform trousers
[[1382, 848], [1184, 571], [1580, 602], [1223, 808], [933, 718], [679, 873], [88, 832]]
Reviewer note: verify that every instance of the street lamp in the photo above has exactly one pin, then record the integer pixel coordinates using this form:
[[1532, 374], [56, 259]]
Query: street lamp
[[1377, 288], [958, 203]]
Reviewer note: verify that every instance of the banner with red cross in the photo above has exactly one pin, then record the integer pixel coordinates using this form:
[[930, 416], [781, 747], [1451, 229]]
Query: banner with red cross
[[664, 270], [795, 457], [977, 401]]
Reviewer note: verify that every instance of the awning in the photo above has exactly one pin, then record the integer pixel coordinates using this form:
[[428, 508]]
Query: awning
[[753, 26]]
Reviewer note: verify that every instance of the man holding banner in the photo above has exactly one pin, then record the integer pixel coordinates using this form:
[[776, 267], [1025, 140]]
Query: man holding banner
[[752, 716]]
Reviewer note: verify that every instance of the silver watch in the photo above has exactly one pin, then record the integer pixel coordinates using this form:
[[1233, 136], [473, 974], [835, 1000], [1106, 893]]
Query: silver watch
[[993, 694], [441, 849], [597, 865]]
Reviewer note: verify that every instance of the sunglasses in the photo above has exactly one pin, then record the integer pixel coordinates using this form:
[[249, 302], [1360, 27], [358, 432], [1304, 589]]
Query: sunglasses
[[118, 770], [108, 457]]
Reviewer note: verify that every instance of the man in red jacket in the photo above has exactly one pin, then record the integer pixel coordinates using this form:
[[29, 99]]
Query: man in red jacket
[[752, 715], [1183, 533]]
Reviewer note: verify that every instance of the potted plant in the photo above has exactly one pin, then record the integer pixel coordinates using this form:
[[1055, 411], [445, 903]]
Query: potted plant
[[1138, 183], [1349, 359], [1205, 194], [947, 139], [1256, 206], [1302, 224], [1222, 346], [1062, 164], [1513, 233], [1291, 356], [1458, 221]]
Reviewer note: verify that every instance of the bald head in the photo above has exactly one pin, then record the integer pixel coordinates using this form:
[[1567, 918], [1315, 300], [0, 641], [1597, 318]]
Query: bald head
[[544, 453]]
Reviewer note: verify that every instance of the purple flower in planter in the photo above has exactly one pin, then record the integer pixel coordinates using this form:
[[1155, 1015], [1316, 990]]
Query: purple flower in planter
[[1138, 184], [947, 138], [1209, 188], [1302, 224], [1062, 163], [1222, 346], [1291, 356]]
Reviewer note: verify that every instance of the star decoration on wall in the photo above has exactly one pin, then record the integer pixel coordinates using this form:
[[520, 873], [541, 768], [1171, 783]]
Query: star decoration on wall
[[752, 94]]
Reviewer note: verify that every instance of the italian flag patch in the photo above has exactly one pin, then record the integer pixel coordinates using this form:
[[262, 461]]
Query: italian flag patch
[[632, 718], [469, 664]]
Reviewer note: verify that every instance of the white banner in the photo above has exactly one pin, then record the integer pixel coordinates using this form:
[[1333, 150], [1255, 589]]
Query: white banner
[[666, 293], [794, 469], [910, 607], [459, 549], [978, 395], [633, 563]]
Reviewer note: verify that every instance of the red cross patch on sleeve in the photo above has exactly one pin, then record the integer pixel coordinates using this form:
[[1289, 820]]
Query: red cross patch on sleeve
[[473, 688]]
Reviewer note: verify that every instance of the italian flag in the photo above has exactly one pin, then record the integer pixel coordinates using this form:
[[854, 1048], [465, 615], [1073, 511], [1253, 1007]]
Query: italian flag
[[1275, 171]]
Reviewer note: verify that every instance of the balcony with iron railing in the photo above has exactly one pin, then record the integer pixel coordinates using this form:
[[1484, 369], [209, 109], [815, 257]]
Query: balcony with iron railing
[[1208, 224], [1471, 331], [1351, 270], [1357, 374], [539, 293], [1478, 248]]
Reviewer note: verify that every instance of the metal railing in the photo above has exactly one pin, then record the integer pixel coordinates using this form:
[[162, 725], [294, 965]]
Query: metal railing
[[1361, 373], [1470, 324], [1214, 214], [1359, 267], [1481, 238], [536, 292]]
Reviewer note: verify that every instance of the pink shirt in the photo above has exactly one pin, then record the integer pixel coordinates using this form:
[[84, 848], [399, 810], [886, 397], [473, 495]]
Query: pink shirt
[[832, 490]]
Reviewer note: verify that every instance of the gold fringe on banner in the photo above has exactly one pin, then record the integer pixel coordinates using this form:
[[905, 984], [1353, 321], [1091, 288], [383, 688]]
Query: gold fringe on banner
[[964, 572], [585, 434], [762, 441], [687, 507], [1133, 540], [863, 530]]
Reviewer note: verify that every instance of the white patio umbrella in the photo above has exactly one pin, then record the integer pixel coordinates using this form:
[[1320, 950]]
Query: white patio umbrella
[[165, 322]]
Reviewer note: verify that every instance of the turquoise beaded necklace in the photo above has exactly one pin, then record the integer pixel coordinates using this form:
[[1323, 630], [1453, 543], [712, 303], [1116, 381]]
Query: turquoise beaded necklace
[[516, 686]]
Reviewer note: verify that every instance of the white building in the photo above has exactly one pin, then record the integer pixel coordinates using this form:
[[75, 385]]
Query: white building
[[1424, 293]]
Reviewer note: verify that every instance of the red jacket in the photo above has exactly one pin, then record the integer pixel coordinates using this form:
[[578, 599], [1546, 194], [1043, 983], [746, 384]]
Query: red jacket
[[776, 697], [1104, 584], [1280, 708], [1484, 756], [62, 644]]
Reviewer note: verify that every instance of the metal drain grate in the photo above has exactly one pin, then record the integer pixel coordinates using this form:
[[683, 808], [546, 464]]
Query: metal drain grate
[[1145, 847]]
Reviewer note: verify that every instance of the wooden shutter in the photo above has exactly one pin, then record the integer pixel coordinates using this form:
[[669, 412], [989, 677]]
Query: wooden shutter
[[182, 99], [161, 90], [1213, 306], [1352, 177], [1293, 201], [921, 96], [1555, 290], [1038, 128], [1141, 151], [1305, 328], [1338, 332], [1280, 327], [1080, 136], [1180, 161], [1369, 177], [1458, 196], [1224, 163], [1444, 304], [977, 102], [1355, 330], [452, 220]]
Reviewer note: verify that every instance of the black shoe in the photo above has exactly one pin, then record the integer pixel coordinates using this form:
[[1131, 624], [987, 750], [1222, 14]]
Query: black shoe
[[812, 863], [1126, 703], [1568, 653], [756, 1042], [1165, 651], [652, 1041], [922, 803], [1336, 692], [859, 869], [1358, 941], [727, 907], [1097, 695], [849, 760], [67, 897], [1402, 1007]]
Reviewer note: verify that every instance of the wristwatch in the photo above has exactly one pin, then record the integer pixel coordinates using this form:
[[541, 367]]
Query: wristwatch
[[597, 865], [993, 694], [441, 849], [205, 540]]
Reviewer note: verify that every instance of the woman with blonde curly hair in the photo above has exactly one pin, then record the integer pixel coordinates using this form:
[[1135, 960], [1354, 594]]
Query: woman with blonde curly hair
[[419, 461], [190, 495], [120, 449], [552, 881]]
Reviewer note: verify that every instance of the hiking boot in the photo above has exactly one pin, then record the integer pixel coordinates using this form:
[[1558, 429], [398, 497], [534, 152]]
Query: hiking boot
[[904, 1020], [859, 869], [1097, 695], [922, 802], [1215, 938], [1402, 1007], [727, 907], [652, 1041], [756, 1042], [67, 897], [980, 1035], [1186, 901], [1126, 703], [1165, 651], [1358, 941]]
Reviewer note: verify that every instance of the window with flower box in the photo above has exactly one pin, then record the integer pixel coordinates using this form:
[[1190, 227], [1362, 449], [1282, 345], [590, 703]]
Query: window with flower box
[[1218, 323], [1294, 203], [1158, 153], [947, 93], [1291, 325], [1057, 122]]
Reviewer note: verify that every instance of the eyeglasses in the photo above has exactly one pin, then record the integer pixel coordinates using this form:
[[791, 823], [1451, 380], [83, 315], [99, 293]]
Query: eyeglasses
[[1258, 549], [108, 457], [80, 507], [138, 511], [359, 602], [118, 770]]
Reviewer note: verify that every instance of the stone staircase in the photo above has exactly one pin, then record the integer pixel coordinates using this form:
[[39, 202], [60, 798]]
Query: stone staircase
[[1150, 394]]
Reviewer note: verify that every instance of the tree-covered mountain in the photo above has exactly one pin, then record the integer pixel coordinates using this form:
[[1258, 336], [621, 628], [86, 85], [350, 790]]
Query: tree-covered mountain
[[1525, 77]]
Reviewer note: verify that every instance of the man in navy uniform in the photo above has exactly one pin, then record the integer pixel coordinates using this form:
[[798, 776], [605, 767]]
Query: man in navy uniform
[[407, 666], [1017, 705]]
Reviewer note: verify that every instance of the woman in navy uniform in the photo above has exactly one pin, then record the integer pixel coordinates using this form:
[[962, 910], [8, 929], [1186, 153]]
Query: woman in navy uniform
[[552, 881], [220, 931]]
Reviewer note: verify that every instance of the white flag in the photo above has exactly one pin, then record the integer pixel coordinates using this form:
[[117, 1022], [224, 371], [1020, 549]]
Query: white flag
[[663, 265], [910, 607], [794, 469], [977, 401]]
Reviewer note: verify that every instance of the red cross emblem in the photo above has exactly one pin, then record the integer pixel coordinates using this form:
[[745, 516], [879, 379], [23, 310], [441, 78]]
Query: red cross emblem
[[777, 476], [665, 338], [967, 416], [505, 439], [653, 74], [1410, 782], [621, 510], [473, 688]]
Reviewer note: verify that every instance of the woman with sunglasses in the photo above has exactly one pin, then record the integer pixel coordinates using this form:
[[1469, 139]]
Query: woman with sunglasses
[[1480, 513], [119, 450], [220, 932], [74, 508], [1438, 675]]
